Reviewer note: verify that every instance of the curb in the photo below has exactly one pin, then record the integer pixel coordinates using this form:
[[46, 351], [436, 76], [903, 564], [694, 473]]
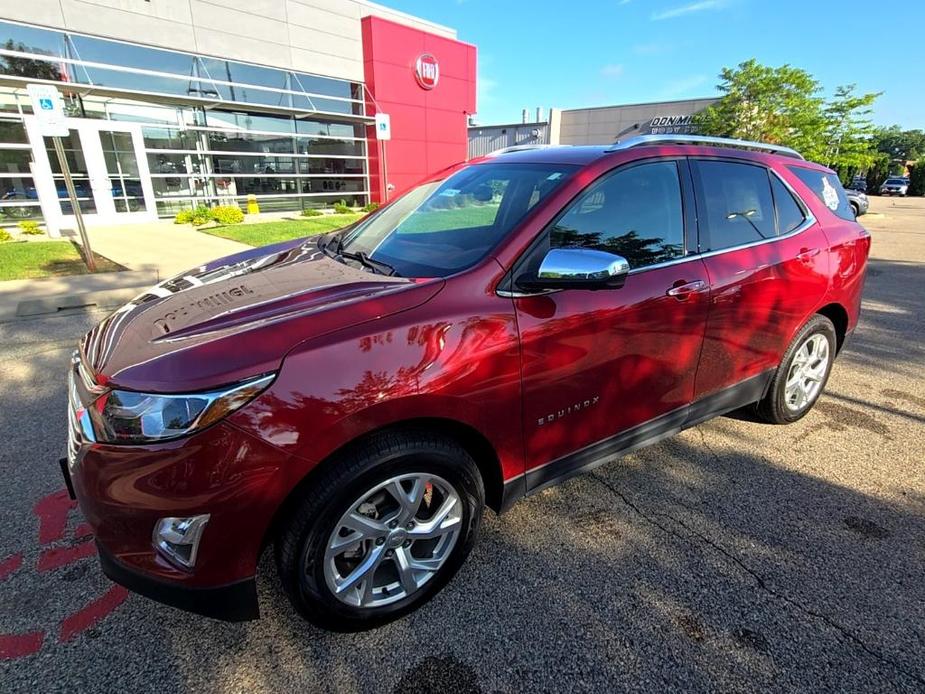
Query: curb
[[107, 298]]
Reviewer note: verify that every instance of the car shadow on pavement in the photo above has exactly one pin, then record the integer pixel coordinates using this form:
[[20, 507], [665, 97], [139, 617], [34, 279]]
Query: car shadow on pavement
[[731, 557]]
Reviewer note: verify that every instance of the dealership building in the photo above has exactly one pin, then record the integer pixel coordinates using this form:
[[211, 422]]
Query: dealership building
[[589, 126], [172, 103]]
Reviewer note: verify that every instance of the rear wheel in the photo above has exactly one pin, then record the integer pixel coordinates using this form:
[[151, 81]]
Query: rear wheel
[[855, 209], [802, 374], [380, 531]]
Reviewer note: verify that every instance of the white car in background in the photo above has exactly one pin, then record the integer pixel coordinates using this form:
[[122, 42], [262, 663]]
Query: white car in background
[[895, 186]]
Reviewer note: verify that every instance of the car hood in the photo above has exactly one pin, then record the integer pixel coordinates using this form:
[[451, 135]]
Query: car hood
[[237, 317]]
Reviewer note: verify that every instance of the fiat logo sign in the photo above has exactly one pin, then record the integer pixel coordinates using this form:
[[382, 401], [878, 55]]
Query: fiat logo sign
[[427, 71]]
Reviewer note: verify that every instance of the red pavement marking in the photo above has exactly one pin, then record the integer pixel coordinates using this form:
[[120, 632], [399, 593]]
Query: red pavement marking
[[95, 611], [52, 511], [19, 645], [9, 565], [57, 557]]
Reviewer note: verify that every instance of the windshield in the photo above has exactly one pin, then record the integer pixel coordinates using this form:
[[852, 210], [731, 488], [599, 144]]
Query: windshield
[[896, 182], [442, 227]]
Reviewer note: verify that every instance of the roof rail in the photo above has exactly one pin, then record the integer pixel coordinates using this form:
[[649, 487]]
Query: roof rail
[[641, 140], [517, 148]]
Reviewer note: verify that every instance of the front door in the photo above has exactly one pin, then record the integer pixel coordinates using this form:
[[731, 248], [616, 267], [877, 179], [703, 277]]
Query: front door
[[109, 168], [603, 368]]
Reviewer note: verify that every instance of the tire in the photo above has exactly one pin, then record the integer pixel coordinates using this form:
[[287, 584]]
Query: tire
[[310, 573], [856, 209], [782, 405]]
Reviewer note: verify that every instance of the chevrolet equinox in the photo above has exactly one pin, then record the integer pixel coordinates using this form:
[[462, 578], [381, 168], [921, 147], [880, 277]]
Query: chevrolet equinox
[[355, 400]]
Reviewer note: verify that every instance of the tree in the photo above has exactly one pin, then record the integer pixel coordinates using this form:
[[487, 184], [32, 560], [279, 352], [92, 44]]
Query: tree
[[849, 131], [779, 105], [917, 178], [893, 147]]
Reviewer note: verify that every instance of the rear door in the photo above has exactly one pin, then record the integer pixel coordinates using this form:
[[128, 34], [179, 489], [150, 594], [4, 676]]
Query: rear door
[[767, 261], [598, 364]]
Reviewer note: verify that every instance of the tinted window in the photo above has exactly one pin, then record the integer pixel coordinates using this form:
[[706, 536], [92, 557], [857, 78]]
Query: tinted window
[[826, 186], [635, 213], [443, 227], [789, 213], [735, 204]]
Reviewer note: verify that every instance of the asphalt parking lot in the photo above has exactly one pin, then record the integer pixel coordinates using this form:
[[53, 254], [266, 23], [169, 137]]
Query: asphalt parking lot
[[734, 557]]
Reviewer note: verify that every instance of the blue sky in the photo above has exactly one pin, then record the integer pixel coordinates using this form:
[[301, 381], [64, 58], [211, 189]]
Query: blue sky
[[574, 53]]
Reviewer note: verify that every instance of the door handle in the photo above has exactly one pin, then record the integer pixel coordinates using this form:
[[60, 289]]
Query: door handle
[[807, 254], [682, 291]]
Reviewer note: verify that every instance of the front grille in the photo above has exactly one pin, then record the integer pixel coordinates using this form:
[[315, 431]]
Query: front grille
[[81, 391], [74, 439]]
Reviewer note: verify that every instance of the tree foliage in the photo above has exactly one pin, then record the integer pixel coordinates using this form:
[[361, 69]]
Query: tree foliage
[[785, 105]]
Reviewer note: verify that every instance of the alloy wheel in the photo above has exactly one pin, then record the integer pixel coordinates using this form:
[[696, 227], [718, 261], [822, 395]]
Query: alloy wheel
[[392, 540], [807, 371]]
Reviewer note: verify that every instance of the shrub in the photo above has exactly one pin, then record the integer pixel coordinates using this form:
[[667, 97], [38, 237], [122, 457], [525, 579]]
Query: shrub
[[227, 214], [196, 216], [342, 208], [5, 236], [30, 227], [371, 207], [917, 178], [311, 212]]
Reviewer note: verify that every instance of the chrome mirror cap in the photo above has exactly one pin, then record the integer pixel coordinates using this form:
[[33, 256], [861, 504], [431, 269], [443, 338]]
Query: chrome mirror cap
[[577, 268], [581, 264]]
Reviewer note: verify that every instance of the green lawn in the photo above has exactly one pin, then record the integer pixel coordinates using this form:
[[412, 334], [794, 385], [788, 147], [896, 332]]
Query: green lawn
[[24, 260], [451, 218], [265, 233]]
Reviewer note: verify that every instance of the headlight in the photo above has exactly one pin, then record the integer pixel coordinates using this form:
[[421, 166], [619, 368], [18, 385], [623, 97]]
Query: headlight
[[123, 416]]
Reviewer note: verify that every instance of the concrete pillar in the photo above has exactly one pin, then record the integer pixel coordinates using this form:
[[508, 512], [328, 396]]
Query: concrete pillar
[[555, 125]]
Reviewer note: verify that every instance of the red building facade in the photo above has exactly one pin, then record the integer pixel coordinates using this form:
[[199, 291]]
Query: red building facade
[[426, 84]]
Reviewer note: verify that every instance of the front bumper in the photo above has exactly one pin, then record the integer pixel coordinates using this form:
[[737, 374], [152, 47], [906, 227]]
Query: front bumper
[[124, 490], [235, 602]]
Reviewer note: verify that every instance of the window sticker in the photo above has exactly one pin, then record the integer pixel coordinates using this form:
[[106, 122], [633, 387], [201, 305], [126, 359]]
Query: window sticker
[[554, 176], [829, 194], [450, 192]]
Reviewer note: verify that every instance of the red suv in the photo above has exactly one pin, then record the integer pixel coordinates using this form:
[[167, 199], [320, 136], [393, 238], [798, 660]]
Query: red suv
[[355, 400]]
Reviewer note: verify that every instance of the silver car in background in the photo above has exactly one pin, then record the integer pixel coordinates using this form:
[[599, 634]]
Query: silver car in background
[[895, 186]]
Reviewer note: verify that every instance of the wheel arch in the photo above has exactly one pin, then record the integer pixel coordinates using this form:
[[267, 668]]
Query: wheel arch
[[473, 441], [836, 313]]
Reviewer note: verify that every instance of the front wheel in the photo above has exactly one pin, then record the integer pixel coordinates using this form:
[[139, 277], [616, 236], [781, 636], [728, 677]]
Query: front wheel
[[802, 374], [380, 531]]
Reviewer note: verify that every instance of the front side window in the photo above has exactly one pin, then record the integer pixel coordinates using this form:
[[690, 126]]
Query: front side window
[[735, 204], [440, 228], [634, 212]]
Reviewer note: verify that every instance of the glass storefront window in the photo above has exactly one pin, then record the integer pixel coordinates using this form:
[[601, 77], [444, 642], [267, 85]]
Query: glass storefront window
[[244, 142], [15, 160], [161, 163], [131, 55], [12, 132], [169, 138], [331, 166]]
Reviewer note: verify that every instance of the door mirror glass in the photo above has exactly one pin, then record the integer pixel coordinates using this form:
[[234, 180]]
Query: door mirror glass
[[578, 268]]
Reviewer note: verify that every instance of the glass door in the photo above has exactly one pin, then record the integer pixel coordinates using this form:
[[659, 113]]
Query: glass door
[[121, 160], [110, 172], [80, 173]]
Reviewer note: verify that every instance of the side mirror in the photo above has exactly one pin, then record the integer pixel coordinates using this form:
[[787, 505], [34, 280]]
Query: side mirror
[[578, 268]]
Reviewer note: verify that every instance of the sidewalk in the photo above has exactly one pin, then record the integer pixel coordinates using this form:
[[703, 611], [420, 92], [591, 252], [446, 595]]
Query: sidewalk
[[150, 252], [161, 247]]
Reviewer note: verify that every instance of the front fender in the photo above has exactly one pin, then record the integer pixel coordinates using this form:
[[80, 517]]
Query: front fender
[[438, 361]]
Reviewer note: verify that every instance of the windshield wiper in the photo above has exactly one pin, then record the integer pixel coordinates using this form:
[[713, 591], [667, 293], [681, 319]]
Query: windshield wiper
[[359, 256], [366, 261]]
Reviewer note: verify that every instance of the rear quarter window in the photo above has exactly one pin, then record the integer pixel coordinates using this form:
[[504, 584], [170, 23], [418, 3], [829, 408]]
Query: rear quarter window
[[826, 186]]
